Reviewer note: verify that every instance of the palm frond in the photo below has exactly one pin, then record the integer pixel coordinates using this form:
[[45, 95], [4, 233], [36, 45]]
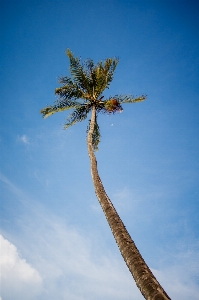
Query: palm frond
[[130, 99], [78, 115], [110, 66], [69, 90], [79, 74], [102, 75], [60, 105], [92, 78]]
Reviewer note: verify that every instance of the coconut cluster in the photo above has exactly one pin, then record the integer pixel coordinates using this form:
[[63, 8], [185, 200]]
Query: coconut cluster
[[113, 105]]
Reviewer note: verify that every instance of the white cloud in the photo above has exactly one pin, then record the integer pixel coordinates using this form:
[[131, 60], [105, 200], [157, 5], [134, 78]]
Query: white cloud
[[19, 280], [24, 139]]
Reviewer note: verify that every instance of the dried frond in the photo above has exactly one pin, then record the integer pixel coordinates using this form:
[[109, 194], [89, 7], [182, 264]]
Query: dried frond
[[95, 136]]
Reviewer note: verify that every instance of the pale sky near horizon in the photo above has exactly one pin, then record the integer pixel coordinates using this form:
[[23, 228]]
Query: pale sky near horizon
[[55, 241]]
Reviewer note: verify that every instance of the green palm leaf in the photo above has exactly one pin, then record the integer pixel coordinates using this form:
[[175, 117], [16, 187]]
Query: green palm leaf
[[60, 106], [130, 99], [69, 90], [79, 74], [92, 79], [78, 115], [102, 75]]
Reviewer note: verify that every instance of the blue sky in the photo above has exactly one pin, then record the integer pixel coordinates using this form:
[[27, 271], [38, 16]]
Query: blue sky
[[55, 241]]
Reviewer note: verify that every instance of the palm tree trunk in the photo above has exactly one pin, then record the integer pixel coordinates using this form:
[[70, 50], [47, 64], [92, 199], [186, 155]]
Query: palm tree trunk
[[145, 280]]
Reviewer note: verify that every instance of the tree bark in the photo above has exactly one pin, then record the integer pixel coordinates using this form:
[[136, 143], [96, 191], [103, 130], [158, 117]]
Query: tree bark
[[145, 280]]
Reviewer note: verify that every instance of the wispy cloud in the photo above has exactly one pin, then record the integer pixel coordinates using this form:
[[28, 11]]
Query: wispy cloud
[[122, 199], [181, 279], [24, 139], [69, 265], [66, 260]]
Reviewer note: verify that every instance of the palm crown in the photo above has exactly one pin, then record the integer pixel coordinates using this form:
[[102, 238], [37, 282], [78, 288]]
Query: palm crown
[[84, 90]]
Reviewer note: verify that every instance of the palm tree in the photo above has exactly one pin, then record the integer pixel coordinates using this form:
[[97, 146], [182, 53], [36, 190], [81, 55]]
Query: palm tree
[[83, 93]]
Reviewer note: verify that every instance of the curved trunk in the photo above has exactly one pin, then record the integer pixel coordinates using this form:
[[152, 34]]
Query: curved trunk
[[145, 280]]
